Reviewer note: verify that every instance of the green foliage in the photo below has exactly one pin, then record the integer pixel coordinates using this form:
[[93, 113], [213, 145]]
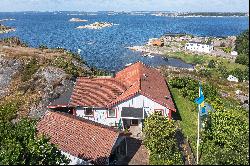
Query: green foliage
[[98, 72], [223, 71], [225, 139], [68, 66], [211, 64], [241, 75], [205, 72], [242, 59], [19, 145], [188, 122], [242, 47], [8, 111], [188, 87], [227, 49], [160, 140], [30, 69]]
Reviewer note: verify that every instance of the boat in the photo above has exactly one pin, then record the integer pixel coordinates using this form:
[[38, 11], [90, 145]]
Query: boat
[[79, 51]]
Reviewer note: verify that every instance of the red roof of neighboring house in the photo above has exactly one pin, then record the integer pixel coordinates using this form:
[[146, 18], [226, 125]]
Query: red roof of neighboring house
[[79, 137], [134, 79]]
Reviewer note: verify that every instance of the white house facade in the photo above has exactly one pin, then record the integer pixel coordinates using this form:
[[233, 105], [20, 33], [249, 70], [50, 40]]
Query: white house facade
[[199, 47], [111, 117]]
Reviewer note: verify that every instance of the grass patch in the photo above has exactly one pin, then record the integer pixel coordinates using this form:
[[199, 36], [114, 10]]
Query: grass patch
[[204, 59], [188, 122]]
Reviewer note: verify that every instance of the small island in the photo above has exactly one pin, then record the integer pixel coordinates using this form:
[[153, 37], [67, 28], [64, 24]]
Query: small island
[[5, 29], [77, 20], [96, 25]]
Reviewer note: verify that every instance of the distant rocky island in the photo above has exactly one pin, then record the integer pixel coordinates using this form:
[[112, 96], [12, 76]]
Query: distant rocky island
[[77, 20], [5, 29], [96, 25]]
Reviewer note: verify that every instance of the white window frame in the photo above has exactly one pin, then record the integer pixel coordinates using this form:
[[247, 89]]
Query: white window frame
[[108, 116]]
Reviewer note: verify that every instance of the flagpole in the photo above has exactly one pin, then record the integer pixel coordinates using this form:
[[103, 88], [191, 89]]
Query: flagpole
[[198, 137], [198, 131]]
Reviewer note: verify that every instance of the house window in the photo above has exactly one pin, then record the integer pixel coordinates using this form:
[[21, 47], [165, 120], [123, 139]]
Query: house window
[[111, 113], [88, 112], [161, 111], [134, 122]]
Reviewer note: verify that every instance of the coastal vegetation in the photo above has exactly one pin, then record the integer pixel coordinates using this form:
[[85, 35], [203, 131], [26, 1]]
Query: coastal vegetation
[[242, 47], [184, 91], [225, 139], [160, 141], [19, 144], [40, 75]]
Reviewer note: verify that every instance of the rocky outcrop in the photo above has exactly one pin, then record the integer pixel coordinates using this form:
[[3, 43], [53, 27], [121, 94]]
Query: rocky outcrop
[[8, 68], [5, 29], [35, 77], [54, 83], [96, 25]]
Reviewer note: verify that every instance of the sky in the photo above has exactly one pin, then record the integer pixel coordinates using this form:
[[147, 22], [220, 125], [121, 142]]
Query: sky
[[125, 5]]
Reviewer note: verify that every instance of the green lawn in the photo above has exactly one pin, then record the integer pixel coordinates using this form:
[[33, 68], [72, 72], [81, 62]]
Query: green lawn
[[203, 59], [188, 113]]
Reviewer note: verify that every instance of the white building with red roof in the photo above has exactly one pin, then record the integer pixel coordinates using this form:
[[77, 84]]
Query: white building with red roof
[[130, 96]]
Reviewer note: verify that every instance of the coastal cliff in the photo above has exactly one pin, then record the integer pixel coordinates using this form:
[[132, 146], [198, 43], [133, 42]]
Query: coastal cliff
[[33, 77]]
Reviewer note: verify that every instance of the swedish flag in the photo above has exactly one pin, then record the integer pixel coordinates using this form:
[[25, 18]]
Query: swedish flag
[[201, 101]]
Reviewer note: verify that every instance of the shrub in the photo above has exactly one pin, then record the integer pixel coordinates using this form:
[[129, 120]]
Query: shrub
[[225, 139], [242, 59], [242, 47], [160, 140], [8, 111], [42, 46], [30, 69], [211, 64]]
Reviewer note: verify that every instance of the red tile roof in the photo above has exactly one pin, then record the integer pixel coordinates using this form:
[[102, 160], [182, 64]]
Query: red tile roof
[[77, 136], [134, 79]]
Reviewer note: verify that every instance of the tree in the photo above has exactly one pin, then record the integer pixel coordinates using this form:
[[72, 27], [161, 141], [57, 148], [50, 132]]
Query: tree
[[238, 73], [160, 140], [225, 139], [20, 145], [242, 47]]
